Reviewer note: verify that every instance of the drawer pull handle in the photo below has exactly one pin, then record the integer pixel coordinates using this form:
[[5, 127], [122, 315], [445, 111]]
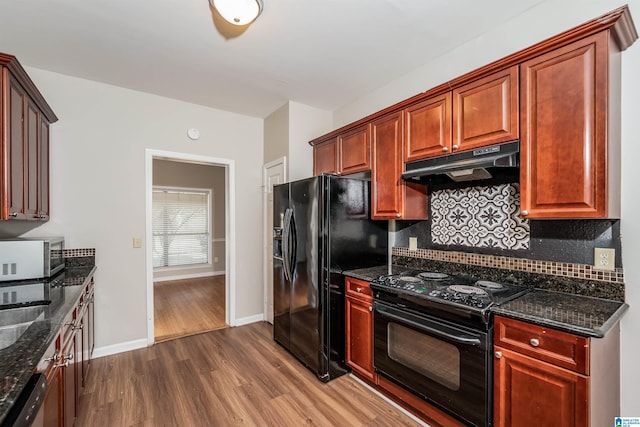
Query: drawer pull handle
[[534, 342], [498, 354]]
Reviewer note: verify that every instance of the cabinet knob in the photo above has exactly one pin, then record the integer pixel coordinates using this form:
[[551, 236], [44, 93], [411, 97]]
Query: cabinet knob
[[370, 308], [524, 212], [534, 342], [455, 147], [445, 149], [398, 215], [13, 214], [358, 289], [498, 354]]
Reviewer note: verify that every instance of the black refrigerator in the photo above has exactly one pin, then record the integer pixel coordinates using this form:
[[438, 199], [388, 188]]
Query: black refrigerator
[[321, 228]]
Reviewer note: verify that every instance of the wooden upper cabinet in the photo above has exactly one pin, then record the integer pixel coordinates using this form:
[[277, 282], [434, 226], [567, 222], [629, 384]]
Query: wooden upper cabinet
[[566, 153], [325, 157], [478, 114], [354, 151], [24, 145], [393, 197], [428, 128], [485, 111]]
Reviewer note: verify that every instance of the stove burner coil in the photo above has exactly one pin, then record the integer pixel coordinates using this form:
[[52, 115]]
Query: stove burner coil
[[489, 285], [464, 289], [432, 276], [409, 279]]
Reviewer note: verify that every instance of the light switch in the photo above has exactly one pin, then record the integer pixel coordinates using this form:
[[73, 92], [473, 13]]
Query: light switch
[[137, 242]]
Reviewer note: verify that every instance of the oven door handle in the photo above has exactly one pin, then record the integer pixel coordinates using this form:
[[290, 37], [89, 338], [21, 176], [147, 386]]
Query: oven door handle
[[435, 331]]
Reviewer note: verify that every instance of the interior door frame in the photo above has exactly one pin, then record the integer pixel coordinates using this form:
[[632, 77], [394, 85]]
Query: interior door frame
[[230, 227], [267, 228]]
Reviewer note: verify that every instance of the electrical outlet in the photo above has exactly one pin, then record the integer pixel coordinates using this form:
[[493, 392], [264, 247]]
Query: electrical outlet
[[215, 259], [137, 242], [413, 243], [604, 259]]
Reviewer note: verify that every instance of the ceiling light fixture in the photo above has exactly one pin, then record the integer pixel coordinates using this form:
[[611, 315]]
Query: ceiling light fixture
[[238, 12]]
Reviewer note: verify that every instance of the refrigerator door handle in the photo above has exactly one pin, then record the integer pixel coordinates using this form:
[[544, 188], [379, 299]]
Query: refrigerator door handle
[[286, 241], [294, 246]]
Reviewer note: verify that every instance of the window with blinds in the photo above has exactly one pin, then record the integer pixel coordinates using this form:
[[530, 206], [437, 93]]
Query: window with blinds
[[181, 227]]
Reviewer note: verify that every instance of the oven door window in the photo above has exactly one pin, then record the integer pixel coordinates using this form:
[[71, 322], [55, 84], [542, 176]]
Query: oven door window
[[408, 347]]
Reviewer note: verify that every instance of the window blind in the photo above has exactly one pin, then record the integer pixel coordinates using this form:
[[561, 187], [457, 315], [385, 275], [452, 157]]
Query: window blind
[[181, 234]]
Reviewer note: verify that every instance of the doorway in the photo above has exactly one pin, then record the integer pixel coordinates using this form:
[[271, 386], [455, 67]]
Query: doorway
[[216, 280]]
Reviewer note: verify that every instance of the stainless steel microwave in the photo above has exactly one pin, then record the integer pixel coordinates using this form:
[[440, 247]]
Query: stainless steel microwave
[[32, 258]]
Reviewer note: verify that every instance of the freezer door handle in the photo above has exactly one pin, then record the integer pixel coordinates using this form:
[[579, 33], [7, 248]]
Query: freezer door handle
[[293, 246], [286, 242]]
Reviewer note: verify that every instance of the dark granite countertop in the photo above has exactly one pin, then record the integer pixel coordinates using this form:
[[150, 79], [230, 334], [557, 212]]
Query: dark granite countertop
[[19, 360], [580, 315], [370, 273]]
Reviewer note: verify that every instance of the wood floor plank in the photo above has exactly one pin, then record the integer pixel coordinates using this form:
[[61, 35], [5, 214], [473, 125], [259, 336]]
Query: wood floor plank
[[234, 376], [189, 306]]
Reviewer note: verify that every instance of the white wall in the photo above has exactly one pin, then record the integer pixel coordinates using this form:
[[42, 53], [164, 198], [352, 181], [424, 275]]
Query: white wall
[[305, 124], [98, 187], [287, 132], [546, 20]]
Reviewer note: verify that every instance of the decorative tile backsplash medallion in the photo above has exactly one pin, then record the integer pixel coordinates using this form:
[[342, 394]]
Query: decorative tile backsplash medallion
[[577, 271], [479, 217]]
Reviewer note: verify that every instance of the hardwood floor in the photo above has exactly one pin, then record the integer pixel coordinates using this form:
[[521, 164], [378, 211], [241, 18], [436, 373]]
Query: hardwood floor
[[234, 376], [187, 307]]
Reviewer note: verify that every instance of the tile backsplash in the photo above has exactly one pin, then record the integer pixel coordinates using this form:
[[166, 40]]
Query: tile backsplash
[[485, 216]]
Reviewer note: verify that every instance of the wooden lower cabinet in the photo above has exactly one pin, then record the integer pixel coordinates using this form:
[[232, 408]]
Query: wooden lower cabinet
[[359, 328], [529, 392], [546, 378], [66, 363]]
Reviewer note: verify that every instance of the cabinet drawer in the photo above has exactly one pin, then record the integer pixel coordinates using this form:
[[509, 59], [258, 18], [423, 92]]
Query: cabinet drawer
[[358, 288], [559, 348]]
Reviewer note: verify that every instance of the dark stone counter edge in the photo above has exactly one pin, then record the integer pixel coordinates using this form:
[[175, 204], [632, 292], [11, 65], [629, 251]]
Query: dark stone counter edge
[[566, 327], [368, 274], [31, 362]]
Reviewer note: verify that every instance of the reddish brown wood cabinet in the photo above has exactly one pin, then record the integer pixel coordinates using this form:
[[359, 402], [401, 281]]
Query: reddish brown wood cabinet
[[479, 113], [544, 377], [24, 145], [348, 153], [325, 157], [66, 363], [359, 328], [569, 162], [428, 128], [485, 111], [393, 197]]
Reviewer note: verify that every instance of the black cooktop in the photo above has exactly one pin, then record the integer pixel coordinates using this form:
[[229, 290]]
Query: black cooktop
[[468, 294]]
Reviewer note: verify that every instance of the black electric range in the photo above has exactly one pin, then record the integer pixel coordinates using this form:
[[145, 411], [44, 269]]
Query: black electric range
[[457, 298]]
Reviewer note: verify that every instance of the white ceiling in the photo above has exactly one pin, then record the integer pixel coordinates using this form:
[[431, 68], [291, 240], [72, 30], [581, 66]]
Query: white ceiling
[[323, 53]]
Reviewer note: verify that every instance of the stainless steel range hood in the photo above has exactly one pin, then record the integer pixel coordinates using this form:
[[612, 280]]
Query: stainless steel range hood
[[467, 165]]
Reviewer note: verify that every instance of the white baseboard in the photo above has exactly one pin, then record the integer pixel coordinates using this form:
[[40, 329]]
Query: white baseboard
[[188, 276], [249, 319], [108, 350], [391, 402]]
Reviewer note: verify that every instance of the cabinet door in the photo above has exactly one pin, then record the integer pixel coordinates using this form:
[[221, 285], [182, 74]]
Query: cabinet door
[[32, 131], [69, 382], [43, 171], [393, 197], [564, 124], [386, 183], [528, 392], [485, 111], [428, 128], [14, 188], [52, 404], [359, 328], [325, 157], [354, 150]]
